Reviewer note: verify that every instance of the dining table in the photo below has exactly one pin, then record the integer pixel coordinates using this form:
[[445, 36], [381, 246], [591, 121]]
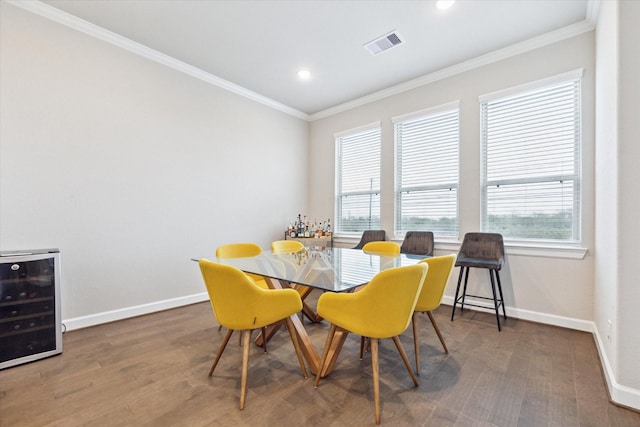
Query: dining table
[[323, 268]]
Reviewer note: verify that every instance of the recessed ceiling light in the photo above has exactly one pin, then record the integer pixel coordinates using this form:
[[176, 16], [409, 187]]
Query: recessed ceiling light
[[444, 4], [304, 74]]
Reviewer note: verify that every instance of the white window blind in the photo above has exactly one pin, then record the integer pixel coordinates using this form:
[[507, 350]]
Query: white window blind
[[427, 159], [531, 163], [358, 181]]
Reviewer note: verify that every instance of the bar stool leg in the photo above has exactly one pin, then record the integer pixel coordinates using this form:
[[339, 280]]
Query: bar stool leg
[[464, 290], [504, 312], [455, 299], [495, 300]]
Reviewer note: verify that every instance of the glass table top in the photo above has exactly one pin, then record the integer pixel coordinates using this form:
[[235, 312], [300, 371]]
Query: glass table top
[[330, 269]]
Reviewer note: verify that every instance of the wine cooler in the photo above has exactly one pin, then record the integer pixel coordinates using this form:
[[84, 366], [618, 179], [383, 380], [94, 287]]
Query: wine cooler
[[30, 325]]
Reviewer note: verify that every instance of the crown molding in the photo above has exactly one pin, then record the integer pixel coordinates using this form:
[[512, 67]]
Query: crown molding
[[480, 61], [100, 33], [71, 21], [593, 7]]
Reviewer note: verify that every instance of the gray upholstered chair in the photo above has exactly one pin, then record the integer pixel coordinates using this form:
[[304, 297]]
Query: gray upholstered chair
[[481, 250], [417, 243], [371, 236]]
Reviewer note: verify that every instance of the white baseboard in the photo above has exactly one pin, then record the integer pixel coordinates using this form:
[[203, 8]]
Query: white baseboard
[[619, 394], [533, 316], [127, 312]]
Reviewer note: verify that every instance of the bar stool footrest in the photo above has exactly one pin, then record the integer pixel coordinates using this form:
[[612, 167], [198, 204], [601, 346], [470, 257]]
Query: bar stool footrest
[[459, 301]]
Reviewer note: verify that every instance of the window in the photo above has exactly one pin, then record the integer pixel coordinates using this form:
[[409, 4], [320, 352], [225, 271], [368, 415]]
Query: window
[[426, 194], [531, 161], [358, 180]]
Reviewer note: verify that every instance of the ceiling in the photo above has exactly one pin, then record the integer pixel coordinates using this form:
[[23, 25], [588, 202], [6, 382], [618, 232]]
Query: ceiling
[[260, 45]]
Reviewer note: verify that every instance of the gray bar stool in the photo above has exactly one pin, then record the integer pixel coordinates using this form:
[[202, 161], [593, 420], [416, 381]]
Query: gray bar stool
[[418, 243], [481, 250], [370, 236]]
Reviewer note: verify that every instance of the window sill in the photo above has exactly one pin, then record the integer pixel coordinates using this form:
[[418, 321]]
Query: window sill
[[511, 248], [522, 249]]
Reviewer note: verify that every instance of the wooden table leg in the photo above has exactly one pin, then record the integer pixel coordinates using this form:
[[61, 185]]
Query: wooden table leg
[[334, 351], [309, 312], [308, 350]]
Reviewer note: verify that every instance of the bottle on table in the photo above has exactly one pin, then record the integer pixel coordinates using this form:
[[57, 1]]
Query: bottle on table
[[300, 227]]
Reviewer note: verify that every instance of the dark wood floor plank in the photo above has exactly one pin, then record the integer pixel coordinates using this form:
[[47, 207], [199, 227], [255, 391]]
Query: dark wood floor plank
[[152, 371]]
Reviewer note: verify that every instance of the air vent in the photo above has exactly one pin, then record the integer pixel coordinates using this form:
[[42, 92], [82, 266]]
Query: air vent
[[383, 43]]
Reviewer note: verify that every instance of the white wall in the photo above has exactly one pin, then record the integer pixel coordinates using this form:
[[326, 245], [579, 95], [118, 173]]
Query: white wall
[[617, 230], [607, 191], [132, 168], [554, 290], [629, 176]]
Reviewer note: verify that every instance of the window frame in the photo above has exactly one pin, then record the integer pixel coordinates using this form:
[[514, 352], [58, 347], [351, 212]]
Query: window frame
[[339, 195], [399, 188], [523, 91]]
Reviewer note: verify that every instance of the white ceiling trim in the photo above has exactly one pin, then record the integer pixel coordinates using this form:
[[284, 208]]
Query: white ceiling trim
[[593, 7], [480, 61], [100, 33]]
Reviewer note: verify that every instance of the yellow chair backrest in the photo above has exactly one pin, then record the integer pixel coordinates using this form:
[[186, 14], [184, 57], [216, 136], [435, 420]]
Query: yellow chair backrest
[[385, 248], [242, 250], [239, 304], [435, 282], [238, 250], [382, 309], [286, 246]]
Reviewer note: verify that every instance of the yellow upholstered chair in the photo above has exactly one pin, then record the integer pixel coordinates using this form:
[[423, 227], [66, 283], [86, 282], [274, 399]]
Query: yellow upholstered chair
[[382, 309], [386, 248], [440, 269], [238, 250], [239, 304], [286, 246], [242, 250]]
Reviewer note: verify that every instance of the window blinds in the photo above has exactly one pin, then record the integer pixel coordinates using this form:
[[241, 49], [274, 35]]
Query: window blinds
[[427, 158], [531, 163], [358, 181]]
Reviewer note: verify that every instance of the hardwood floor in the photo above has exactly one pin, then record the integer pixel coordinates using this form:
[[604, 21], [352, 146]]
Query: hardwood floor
[[152, 370]]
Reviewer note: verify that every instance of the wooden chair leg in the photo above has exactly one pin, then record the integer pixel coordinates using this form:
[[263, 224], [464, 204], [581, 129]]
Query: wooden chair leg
[[264, 334], [376, 377], [361, 348], [296, 346], [416, 346], [405, 359], [435, 326], [325, 353], [220, 350], [245, 366]]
